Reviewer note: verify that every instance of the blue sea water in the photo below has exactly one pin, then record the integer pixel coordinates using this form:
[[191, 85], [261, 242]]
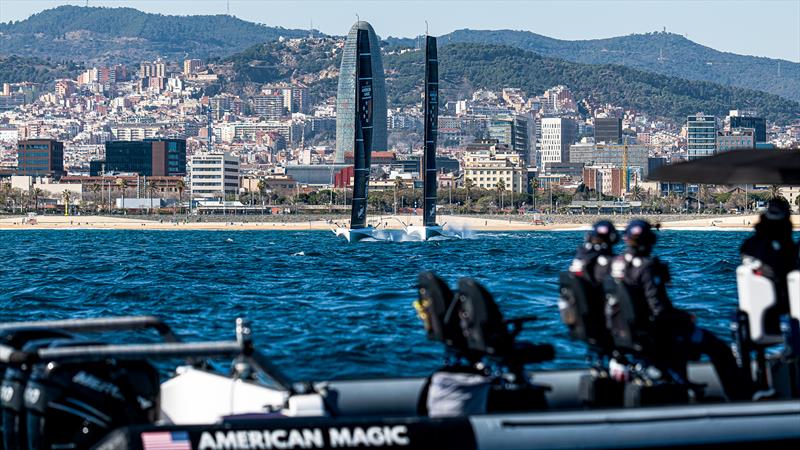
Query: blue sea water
[[322, 308]]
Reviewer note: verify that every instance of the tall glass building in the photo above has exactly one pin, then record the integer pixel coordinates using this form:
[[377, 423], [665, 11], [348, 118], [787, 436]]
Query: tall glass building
[[701, 135], [346, 96]]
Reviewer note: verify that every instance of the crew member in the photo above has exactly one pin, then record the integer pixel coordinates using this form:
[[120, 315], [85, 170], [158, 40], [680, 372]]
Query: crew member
[[773, 253], [593, 258], [648, 277]]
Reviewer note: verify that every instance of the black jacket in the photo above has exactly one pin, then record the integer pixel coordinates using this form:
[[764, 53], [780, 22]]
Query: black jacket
[[647, 277], [592, 263]]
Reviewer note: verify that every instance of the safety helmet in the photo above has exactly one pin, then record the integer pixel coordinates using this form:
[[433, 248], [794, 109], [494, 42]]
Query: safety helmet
[[639, 234], [603, 232], [778, 209]]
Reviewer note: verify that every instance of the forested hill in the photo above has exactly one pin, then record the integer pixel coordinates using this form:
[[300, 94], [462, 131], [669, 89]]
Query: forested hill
[[664, 53], [465, 67], [14, 69], [94, 34]]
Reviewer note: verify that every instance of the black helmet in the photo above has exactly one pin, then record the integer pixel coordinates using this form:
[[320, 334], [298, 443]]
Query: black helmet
[[603, 232], [778, 209], [639, 235]]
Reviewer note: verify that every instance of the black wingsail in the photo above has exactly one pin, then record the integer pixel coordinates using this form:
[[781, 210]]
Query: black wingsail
[[431, 110], [362, 154]]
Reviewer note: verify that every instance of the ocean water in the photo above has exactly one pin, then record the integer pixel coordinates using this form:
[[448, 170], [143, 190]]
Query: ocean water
[[322, 308]]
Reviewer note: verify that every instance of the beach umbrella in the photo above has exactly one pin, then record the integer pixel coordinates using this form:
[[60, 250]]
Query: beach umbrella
[[736, 167]]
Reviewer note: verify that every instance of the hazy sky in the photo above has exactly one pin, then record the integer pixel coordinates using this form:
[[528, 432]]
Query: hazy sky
[[755, 27]]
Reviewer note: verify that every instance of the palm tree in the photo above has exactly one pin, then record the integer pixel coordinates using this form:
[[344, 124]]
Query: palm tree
[[37, 194], [66, 196], [262, 188], [501, 187], [534, 190], [151, 189], [122, 185], [774, 192], [637, 193], [180, 185], [468, 185], [398, 184]]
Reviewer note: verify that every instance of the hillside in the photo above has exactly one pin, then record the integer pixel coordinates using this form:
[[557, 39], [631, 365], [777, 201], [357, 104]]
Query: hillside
[[94, 34], [663, 53], [466, 67], [14, 69]]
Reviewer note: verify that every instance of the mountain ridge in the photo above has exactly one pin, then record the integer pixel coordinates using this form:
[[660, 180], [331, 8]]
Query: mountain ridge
[[102, 35], [466, 66], [658, 52]]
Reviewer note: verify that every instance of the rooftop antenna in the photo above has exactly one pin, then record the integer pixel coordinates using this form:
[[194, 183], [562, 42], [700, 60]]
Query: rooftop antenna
[[358, 19], [228, 8], [426, 28]]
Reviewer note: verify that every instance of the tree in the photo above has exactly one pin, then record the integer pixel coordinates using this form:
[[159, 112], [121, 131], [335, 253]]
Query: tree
[[37, 194], [95, 190], [122, 185], [637, 193], [501, 187], [774, 192], [534, 191], [262, 188], [66, 196], [180, 185], [468, 185], [151, 189], [398, 184]]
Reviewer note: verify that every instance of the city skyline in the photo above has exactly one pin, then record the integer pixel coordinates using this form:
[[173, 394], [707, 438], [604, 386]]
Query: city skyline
[[730, 30]]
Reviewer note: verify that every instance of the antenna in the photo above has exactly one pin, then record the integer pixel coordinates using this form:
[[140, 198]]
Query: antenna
[[358, 19], [228, 8], [426, 28]]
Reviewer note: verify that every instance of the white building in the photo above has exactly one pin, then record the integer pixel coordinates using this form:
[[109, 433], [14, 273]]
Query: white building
[[485, 167], [213, 175], [557, 135]]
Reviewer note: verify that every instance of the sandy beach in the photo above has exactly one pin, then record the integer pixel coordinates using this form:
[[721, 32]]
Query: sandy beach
[[511, 223]]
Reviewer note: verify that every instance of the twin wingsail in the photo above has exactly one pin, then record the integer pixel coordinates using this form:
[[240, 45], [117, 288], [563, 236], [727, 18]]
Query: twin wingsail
[[363, 144]]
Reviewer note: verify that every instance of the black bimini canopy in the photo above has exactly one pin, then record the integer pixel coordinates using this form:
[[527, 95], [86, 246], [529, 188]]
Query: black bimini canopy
[[736, 167]]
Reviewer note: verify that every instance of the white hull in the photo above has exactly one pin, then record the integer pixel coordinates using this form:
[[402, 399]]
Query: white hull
[[424, 233], [355, 234]]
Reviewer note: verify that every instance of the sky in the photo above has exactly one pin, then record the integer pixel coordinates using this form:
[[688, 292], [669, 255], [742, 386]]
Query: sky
[[768, 28]]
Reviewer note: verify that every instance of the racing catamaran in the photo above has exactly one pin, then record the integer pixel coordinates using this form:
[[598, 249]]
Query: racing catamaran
[[429, 226], [362, 149]]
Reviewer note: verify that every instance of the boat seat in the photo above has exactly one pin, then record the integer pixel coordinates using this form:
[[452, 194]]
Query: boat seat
[[493, 349], [436, 308], [628, 319], [488, 334], [756, 297], [581, 305]]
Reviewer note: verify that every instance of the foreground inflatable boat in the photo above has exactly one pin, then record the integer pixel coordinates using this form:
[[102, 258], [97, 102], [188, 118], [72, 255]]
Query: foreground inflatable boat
[[62, 389]]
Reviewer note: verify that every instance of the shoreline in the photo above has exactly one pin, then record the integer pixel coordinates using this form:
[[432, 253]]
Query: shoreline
[[471, 223]]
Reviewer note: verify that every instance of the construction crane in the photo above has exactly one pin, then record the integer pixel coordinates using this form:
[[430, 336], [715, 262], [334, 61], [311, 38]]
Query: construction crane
[[625, 164]]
